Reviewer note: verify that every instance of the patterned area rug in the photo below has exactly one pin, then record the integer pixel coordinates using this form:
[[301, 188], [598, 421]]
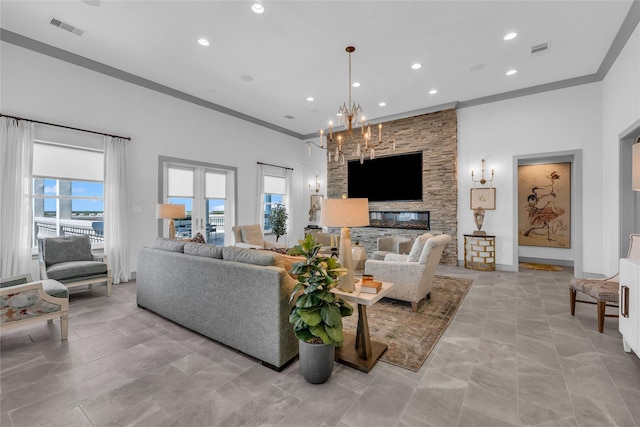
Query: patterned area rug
[[544, 267], [411, 336]]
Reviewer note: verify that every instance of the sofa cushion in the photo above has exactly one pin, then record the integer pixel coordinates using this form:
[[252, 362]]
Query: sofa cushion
[[251, 256], [168, 244], [55, 288], [418, 245], [204, 250], [66, 249], [76, 269], [252, 235]]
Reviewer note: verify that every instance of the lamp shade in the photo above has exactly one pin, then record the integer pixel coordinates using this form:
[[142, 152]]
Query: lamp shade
[[345, 213], [635, 168], [170, 211]]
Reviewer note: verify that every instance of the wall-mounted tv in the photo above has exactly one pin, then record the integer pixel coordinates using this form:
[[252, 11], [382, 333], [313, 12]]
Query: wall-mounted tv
[[392, 178]]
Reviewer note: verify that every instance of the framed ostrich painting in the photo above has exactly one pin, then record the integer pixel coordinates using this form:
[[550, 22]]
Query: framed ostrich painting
[[544, 205]]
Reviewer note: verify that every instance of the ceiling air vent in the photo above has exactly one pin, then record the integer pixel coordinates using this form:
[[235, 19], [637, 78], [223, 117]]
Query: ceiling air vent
[[289, 116], [540, 48], [58, 23]]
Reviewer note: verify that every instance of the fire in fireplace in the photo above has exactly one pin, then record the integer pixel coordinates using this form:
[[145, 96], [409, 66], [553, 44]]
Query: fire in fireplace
[[391, 219]]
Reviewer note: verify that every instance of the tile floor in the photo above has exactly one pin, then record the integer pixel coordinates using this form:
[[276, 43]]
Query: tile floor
[[512, 356]]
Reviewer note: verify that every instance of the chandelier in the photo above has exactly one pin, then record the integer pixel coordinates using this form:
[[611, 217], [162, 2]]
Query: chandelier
[[350, 114]]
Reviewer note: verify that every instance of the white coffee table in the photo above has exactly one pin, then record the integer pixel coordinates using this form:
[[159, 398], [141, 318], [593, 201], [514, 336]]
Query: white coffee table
[[358, 351]]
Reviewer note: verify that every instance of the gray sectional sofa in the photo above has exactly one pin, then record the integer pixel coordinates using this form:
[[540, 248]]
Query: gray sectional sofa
[[238, 297]]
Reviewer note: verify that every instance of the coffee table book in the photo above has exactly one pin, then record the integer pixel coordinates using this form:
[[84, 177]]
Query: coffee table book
[[370, 286]]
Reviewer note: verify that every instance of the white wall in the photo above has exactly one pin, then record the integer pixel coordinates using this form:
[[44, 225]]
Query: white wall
[[567, 119], [621, 108], [43, 88]]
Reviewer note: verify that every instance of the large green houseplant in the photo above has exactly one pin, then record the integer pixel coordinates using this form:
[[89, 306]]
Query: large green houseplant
[[278, 220], [316, 312]]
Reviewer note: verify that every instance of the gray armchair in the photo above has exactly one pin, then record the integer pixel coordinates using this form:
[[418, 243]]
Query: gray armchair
[[69, 260], [23, 302]]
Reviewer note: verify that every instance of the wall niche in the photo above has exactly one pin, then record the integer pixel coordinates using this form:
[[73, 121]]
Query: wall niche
[[435, 134]]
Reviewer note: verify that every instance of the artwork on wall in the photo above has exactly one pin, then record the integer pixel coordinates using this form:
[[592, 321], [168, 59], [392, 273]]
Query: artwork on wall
[[544, 205], [484, 198]]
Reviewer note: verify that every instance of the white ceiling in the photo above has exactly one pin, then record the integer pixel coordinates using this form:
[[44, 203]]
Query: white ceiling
[[296, 49]]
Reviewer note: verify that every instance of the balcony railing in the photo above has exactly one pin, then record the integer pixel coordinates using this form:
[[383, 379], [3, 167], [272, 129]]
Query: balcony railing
[[49, 227]]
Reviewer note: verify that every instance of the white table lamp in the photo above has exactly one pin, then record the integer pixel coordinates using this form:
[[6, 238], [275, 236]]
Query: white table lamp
[[170, 211], [345, 213]]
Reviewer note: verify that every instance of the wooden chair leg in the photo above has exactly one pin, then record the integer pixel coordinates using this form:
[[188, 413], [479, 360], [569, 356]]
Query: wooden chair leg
[[414, 307], [601, 309], [572, 301]]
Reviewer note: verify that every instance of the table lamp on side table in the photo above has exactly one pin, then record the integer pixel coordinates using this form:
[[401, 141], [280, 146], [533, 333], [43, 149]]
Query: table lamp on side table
[[170, 211], [345, 213]]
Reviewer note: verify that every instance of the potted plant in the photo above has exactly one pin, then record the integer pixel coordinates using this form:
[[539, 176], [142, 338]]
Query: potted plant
[[278, 220], [316, 312]]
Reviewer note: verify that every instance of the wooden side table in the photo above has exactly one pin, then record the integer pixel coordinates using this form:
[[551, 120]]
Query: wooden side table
[[480, 252], [358, 351]]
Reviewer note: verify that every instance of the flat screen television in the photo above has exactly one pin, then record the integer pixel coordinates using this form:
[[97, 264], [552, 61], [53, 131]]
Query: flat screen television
[[392, 178]]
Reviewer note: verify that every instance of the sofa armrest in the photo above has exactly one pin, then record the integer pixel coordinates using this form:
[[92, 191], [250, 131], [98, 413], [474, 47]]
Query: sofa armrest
[[247, 246], [394, 271], [274, 245], [396, 258]]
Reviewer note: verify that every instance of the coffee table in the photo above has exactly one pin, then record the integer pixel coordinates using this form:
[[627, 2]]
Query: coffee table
[[358, 351]]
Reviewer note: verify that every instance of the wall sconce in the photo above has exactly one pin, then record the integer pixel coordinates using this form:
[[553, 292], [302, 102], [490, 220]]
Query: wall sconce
[[482, 180], [635, 166], [315, 187]]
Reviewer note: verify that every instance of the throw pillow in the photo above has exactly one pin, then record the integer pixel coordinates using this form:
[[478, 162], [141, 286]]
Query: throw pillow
[[198, 238], [418, 245]]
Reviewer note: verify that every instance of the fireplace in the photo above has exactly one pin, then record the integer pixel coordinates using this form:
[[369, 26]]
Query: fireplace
[[403, 219]]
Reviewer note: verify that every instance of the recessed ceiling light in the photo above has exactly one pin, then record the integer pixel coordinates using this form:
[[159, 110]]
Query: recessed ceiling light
[[433, 91], [246, 78], [310, 98], [511, 72], [382, 104], [356, 84], [203, 42], [416, 66], [510, 36], [257, 8]]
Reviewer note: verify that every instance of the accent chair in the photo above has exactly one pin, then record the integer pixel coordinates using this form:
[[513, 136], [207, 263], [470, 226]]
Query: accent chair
[[24, 302], [69, 260], [412, 274], [250, 236], [603, 291]]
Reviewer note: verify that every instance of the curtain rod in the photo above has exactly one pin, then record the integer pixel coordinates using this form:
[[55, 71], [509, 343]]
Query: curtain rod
[[275, 166], [66, 127]]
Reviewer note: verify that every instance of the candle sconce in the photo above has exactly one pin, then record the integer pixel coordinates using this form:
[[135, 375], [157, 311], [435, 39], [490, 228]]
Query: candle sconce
[[482, 199], [482, 180]]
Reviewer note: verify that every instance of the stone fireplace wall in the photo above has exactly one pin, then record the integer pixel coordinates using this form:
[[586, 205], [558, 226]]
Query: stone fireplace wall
[[434, 134]]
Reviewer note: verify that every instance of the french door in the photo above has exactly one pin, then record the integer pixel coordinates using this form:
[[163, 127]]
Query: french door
[[208, 193]]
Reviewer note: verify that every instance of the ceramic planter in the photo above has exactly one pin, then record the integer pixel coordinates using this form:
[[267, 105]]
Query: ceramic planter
[[316, 361]]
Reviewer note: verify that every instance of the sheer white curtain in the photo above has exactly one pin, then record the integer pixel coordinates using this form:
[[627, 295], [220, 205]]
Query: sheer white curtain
[[16, 153], [287, 204], [260, 191], [116, 233]]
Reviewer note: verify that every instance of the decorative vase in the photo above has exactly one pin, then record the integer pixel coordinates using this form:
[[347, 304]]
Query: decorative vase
[[316, 361]]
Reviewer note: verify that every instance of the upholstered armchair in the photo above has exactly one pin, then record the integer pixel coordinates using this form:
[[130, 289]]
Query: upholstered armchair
[[250, 236], [23, 302], [412, 274], [392, 245], [69, 260]]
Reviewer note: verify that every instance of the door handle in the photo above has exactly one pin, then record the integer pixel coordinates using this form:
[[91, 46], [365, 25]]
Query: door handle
[[624, 304]]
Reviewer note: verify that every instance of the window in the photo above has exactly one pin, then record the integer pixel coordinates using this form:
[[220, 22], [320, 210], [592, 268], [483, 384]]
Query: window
[[68, 193], [275, 190]]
